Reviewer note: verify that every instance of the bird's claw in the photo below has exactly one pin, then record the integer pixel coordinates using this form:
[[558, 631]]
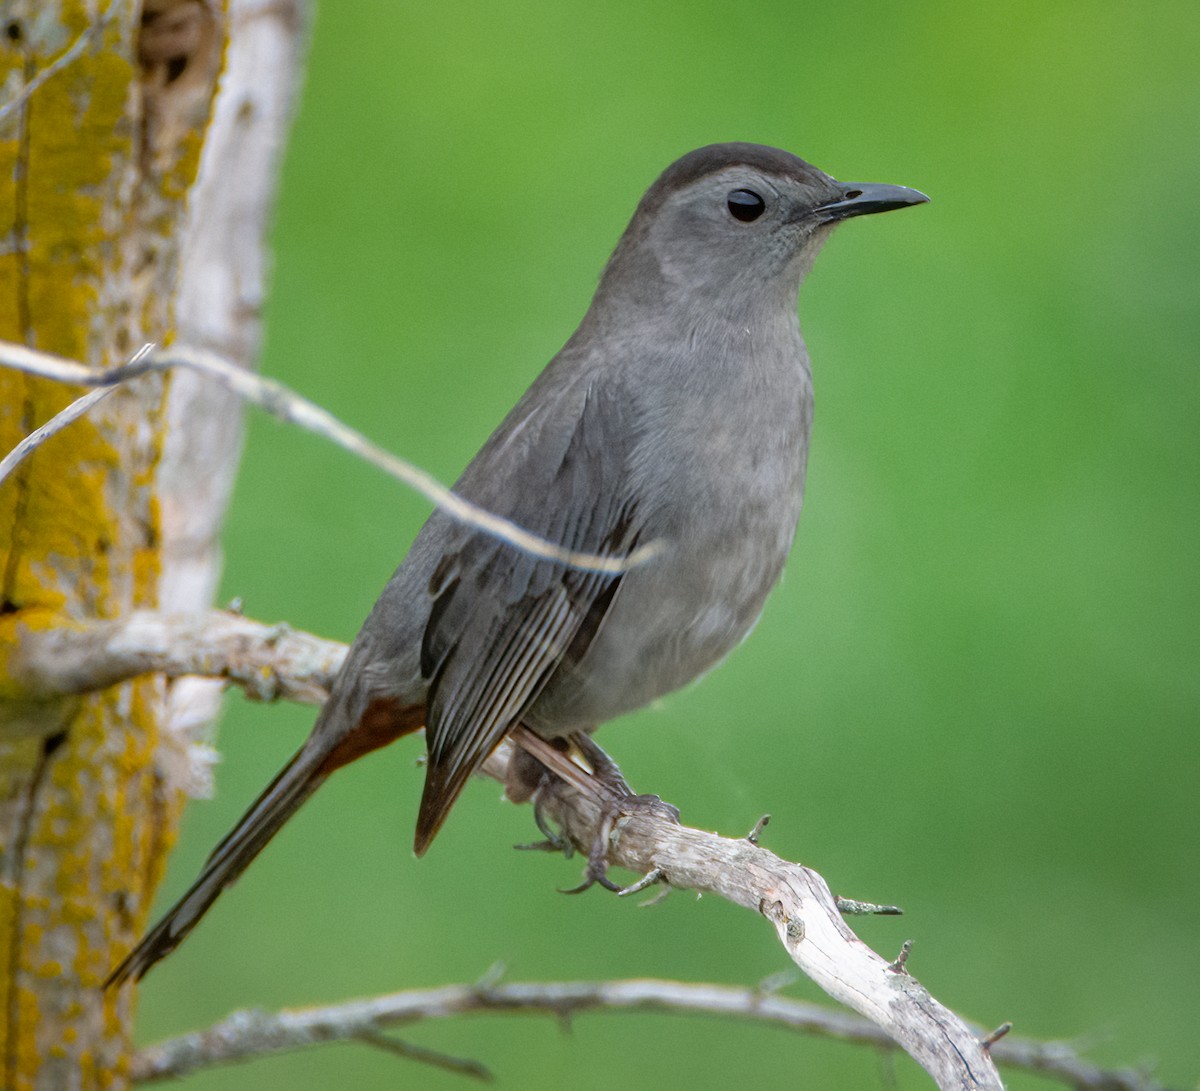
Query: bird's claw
[[596, 872]]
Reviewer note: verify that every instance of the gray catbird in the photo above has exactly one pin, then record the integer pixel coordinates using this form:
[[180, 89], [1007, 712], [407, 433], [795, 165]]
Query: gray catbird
[[679, 414]]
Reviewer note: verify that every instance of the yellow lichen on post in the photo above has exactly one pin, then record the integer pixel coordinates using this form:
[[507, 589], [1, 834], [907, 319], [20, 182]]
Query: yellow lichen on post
[[95, 166]]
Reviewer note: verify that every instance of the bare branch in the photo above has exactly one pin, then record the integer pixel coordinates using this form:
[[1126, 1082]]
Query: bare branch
[[250, 1034], [756, 832], [651, 878], [852, 908], [52, 427], [793, 898], [291, 408], [460, 1065], [991, 1039], [1061, 1061], [57, 423], [277, 661], [901, 962], [267, 661]]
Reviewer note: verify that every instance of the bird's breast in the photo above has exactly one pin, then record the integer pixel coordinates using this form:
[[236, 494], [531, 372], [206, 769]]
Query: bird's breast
[[720, 492]]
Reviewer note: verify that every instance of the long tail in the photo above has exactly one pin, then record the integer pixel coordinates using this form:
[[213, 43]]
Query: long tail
[[302, 776], [328, 748]]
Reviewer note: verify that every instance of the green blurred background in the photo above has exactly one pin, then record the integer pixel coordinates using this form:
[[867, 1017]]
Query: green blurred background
[[975, 693]]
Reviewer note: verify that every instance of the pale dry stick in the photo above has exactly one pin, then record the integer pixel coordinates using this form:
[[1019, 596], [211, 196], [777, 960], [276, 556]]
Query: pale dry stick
[[462, 1066], [221, 290], [246, 1035], [268, 662], [68, 56], [291, 408], [58, 422], [794, 899], [52, 427]]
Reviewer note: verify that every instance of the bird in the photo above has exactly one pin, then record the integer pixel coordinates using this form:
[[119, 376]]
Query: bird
[[677, 416]]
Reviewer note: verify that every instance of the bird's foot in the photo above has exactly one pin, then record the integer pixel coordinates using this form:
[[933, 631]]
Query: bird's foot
[[577, 760], [622, 804], [613, 817], [553, 840]]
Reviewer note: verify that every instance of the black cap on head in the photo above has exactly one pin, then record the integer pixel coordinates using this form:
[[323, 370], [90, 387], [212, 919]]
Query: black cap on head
[[718, 157]]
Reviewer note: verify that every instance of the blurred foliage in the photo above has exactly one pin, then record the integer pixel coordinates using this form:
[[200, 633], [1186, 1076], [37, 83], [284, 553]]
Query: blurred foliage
[[975, 693]]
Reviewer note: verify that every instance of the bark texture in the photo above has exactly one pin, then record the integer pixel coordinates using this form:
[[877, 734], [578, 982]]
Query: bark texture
[[96, 162]]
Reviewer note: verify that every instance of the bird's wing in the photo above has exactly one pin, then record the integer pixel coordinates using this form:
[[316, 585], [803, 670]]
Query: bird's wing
[[503, 621]]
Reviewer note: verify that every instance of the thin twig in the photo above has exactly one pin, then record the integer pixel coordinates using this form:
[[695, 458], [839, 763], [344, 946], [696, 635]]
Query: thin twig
[[54, 425], [462, 1066], [246, 1035], [290, 407], [58, 422], [759, 826], [655, 875], [989, 1040], [68, 56], [901, 963], [854, 908]]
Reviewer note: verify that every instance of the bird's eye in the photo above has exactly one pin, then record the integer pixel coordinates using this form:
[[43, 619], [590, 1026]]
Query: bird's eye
[[745, 205]]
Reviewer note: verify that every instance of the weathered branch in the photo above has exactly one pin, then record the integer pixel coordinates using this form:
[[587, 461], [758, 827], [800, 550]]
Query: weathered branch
[[276, 661], [793, 898], [52, 427], [249, 1034], [267, 661]]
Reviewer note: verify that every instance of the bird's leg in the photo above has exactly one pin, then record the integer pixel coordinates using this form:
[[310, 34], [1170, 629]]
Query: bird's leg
[[597, 862], [603, 783], [555, 840], [525, 779], [552, 840], [604, 770], [620, 802]]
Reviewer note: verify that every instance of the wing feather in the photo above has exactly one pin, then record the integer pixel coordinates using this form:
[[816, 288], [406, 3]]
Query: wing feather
[[502, 621]]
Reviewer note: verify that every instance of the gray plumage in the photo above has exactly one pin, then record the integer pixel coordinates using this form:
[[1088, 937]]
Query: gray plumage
[[679, 413]]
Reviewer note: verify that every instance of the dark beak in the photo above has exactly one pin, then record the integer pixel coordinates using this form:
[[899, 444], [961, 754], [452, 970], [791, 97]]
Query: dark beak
[[864, 198]]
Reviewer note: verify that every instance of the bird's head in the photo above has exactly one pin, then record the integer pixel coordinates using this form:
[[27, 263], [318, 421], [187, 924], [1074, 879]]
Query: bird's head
[[736, 221]]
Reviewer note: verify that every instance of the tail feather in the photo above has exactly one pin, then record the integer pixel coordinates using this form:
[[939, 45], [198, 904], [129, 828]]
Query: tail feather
[[444, 783], [329, 747], [281, 799]]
